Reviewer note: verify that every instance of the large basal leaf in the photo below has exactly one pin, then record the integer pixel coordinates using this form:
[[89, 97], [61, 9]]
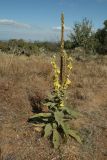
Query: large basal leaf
[[56, 138], [74, 134], [59, 117], [48, 130], [71, 112], [65, 128], [39, 115]]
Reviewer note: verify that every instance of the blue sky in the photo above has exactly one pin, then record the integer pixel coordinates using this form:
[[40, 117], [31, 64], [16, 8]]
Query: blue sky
[[40, 19]]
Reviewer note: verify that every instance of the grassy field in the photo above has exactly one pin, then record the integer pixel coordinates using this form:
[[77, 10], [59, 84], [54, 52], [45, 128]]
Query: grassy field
[[25, 81]]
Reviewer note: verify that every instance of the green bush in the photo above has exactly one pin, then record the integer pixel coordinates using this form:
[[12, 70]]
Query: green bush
[[101, 36], [83, 36]]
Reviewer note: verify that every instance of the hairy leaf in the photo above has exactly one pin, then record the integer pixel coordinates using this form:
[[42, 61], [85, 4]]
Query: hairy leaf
[[39, 115], [54, 125], [71, 112], [74, 134], [56, 138], [48, 130], [59, 117], [65, 128]]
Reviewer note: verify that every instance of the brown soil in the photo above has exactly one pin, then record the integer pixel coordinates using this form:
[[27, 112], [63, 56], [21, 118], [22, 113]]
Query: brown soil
[[22, 79]]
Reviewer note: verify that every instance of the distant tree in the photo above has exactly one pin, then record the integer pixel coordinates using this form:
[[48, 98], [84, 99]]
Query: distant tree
[[83, 36], [3, 46], [105, 24], [101, 36], [48, 46]]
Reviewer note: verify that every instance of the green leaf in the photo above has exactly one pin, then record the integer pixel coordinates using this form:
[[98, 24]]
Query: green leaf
[[50, 105], [50, 96], [39, 125], [65, 128], [74, 134], [47, 103], [48, 130], [44, 120], [54, 125], [39, 115], [71, 112], [56, 138], [67, 117], [59, 117]]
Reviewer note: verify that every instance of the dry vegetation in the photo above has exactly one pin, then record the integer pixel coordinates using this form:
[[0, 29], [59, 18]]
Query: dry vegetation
[[25, 81]]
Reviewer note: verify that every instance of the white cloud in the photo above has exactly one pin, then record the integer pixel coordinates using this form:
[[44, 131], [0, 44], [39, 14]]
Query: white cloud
[[8, 22], [59, 28]]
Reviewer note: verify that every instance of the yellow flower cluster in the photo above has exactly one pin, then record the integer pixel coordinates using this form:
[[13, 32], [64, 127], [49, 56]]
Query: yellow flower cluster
[[69, 67], [57, 84], [56, 75], [58, 87]]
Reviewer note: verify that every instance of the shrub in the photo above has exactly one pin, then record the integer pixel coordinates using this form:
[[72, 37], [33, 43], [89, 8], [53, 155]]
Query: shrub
[[83, 36], [101, 36]]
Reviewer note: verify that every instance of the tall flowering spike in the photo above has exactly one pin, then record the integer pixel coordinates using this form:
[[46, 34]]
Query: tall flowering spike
[[56, 75], [62, 74], [62, 50], [63, 54], [62, 32]]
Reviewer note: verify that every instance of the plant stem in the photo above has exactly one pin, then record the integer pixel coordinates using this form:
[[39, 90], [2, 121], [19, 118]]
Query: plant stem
[[62, 49]]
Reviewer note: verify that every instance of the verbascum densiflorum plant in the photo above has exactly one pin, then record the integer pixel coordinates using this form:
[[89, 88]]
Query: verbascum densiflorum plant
[[55, 123]]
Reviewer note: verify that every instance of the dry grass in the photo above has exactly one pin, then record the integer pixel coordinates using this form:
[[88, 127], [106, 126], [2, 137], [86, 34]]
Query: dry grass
[[23, 78]]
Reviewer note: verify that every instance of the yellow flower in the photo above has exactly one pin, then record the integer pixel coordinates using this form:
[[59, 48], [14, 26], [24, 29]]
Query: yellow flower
[[62, 104], [56, 85], [68, 75], [69, 66], [57, 71], [68, 82], [53, 63], [70, 59], [56, 74]]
